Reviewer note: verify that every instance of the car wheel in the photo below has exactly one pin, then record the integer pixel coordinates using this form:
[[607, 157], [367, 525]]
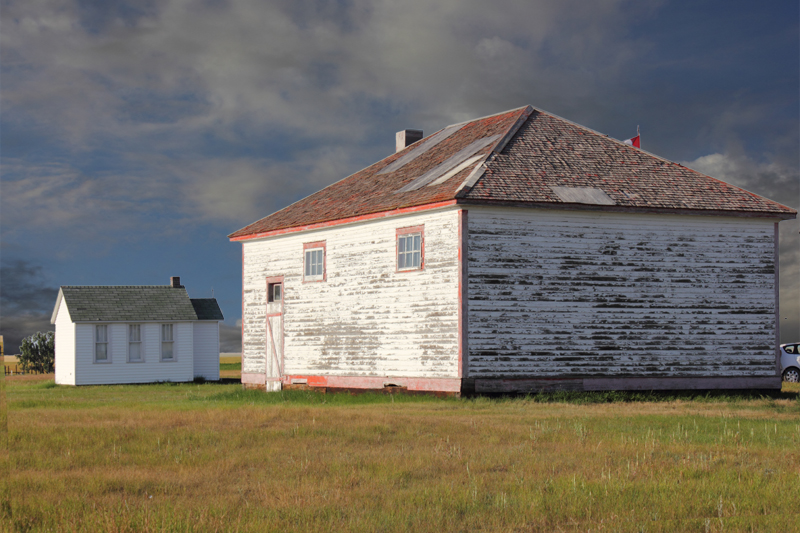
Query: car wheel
[[792, 375]]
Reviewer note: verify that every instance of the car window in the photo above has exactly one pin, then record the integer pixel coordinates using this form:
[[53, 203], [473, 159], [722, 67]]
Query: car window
[[789, 349]]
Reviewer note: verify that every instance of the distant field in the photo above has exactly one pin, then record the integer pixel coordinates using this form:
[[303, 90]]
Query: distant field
[[212, 457], [230, 366]]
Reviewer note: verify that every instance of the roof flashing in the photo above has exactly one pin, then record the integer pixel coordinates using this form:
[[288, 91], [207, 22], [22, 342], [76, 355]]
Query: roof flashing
[[419, 149], [583, 195], [450, 163]]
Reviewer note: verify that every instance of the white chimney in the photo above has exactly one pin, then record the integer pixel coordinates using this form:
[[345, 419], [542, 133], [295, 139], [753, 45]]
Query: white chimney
[[405, 138]]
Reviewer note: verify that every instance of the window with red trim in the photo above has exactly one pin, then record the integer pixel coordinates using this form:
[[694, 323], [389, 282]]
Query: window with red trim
[[314, 261], [410, 248]]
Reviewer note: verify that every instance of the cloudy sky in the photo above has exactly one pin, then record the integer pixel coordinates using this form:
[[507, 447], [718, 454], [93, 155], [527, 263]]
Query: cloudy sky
[[136, 135]]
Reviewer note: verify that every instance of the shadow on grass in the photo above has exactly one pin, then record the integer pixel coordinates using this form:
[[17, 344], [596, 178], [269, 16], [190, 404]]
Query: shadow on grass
[[712, 396], [311, 397]]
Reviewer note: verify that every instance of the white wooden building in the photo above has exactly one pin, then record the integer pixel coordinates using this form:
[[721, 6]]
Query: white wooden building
[[135, 334], [516, 252]]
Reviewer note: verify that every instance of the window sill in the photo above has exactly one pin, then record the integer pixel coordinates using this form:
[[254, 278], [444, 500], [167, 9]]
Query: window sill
[[418, 269]]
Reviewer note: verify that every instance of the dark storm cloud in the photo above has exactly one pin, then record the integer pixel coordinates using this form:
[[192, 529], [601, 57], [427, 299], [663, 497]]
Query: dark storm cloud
[[230, 338], [26, 302], [138, 123]]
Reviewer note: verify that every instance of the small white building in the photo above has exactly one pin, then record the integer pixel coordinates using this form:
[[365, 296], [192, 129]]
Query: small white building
[[516, 252], [135, 334]]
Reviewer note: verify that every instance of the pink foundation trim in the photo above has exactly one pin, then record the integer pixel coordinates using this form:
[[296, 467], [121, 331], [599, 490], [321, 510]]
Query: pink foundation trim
[[254, 379], [379, 382]]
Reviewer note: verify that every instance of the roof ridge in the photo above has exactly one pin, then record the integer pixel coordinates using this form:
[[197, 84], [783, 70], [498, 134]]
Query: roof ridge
[[480, 169], [490, 116]]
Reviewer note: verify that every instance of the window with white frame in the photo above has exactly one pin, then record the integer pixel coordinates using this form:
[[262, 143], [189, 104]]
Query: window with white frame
[[410, 248], [167, 343], [274, 292], [314, 261], [101, 343], [134, 343]]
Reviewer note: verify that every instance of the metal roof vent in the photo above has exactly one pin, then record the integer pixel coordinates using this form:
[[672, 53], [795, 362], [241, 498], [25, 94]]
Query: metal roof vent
[[583, 195], [405, 138]]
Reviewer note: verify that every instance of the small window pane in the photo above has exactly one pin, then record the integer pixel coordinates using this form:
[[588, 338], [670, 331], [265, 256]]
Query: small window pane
[[101, 333], [314, 263], [101, 351], [166, 332], [135, 334], [277, 292], [166, 350], [409, 251], [135, 351]]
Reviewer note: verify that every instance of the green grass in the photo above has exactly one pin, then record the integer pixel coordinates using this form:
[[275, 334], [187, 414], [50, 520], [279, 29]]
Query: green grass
[[206, 457]]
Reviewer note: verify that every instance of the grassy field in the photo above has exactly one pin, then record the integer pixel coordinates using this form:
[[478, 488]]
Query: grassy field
[[212, 457]]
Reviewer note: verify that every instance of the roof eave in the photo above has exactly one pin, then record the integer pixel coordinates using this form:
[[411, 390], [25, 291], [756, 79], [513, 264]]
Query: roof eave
[[347, 220], [58, 304], [629, 209]]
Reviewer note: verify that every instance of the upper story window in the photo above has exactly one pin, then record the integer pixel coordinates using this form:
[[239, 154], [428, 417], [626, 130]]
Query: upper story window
[[101, 344], [411, 248], [314, 261], [167, 343], [134, 343]]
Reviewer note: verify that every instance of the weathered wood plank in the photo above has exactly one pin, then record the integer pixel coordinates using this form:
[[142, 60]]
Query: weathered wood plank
[[555, 293], [365, 319]]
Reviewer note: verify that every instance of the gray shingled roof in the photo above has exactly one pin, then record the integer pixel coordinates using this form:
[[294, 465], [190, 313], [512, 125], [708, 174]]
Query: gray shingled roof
[[207, 309], [140, 303]]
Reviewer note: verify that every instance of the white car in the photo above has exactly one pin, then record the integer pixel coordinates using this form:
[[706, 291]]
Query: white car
[[790, 362]]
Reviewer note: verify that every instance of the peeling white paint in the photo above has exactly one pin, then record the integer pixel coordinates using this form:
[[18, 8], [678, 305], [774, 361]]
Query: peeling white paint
[[556, 293]]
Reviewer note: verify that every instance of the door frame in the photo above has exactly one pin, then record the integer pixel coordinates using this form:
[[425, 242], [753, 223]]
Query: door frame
[[270, 334]]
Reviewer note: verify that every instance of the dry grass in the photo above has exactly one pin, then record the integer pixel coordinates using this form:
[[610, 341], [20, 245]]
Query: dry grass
[[213, 457]]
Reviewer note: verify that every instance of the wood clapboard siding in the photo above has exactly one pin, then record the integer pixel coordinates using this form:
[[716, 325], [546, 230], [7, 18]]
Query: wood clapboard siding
[[119, 370], [65, 346], [554, 293], [365, 319], [206, 350]]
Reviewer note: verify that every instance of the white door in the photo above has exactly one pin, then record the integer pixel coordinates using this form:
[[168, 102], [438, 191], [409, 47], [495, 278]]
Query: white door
[[274, 351]]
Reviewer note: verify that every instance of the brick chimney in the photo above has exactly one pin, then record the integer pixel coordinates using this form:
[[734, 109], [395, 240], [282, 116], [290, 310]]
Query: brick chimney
[[405, 138], [175, 282]]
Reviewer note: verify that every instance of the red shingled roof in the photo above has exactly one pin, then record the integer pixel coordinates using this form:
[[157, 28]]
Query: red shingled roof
[[529, 152]]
